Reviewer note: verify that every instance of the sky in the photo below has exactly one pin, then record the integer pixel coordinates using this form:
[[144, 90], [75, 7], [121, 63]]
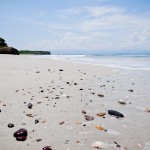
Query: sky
[[76, 26]]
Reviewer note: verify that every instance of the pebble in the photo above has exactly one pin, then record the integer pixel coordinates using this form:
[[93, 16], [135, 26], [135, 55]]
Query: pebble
[[47, 148], [21, 134], [38, 140], [88, 118], [36, 121], [83, 112], [10, 125], [115, 113], [30, 105], [100, 95], [130, 90]]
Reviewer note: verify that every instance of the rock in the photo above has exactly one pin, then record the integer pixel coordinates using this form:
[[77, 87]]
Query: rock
[[37, 71], [30, 105], [115, 113], [9, 50], [36, 121], [88, 118], [29, 115], [62, 122], [38, 140], [147, 110], [83, 112], [100, 95], [130, 90], [21, 134], [10, 125], [61, 70], [47, 148]]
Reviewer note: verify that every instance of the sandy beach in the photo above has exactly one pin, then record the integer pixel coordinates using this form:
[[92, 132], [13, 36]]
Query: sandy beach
[[65, 105]]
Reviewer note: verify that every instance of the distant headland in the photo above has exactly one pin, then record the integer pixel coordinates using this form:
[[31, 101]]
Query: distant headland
[[5, 49]]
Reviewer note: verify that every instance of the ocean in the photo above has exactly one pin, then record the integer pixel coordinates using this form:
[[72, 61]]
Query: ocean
[[118, 60]]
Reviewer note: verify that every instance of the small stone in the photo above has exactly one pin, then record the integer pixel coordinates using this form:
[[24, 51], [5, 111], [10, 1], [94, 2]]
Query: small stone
[[38, 140], [81, 89], [75, 83], [147, 110], [47, 148], [62, 122], [88, 118], [49, 70], [30, 105], [83, 112], [115, 113], [10, 125], [36, 121], [42, 91], [100, 95], [61, 70], [130, 90], [21, 134], [29, 115], [37, 71]]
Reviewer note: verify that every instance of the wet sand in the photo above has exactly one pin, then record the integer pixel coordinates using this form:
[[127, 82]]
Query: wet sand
[[61, 94]]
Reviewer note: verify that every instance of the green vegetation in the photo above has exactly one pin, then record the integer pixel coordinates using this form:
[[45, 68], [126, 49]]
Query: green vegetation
[[28, 52], [2, 43]]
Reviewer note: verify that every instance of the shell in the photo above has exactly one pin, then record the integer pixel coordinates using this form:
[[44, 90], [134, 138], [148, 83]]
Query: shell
[[100, 127], [101, 114], [98, 145]]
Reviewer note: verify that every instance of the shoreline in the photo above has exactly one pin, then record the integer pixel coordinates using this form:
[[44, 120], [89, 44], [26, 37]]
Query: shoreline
[[62, 93]]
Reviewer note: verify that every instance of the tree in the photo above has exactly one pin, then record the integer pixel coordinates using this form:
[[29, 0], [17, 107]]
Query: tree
[[2, 43]]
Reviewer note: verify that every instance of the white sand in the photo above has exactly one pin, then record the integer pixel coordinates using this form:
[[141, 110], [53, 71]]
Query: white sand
[[21, 80]]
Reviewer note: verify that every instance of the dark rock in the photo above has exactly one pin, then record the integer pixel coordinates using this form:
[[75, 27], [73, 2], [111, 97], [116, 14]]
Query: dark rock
[[88, 118], [38, 140], [21, 134], [61, 70], [83, 112], [47, 148], [36, 121], [115, 113], [9, 50], [10, 125], [130, 90], [100, 95], [81, 89], [30, 105], [75, 83]]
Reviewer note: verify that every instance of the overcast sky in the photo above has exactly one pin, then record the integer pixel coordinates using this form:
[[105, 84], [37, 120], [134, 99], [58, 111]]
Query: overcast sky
[[76, 25]]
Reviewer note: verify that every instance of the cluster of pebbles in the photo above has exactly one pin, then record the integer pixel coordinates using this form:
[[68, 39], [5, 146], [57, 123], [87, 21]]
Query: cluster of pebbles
[[22, 133]]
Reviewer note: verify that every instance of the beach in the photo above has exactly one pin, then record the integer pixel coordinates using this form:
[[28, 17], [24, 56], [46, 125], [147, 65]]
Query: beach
[[69, 104]]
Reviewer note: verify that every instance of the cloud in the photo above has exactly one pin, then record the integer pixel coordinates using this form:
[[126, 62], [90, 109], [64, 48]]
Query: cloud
[[96, 28]]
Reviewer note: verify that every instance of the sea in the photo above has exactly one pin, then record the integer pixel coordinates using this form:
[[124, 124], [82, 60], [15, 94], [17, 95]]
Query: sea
[[118, 60]]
